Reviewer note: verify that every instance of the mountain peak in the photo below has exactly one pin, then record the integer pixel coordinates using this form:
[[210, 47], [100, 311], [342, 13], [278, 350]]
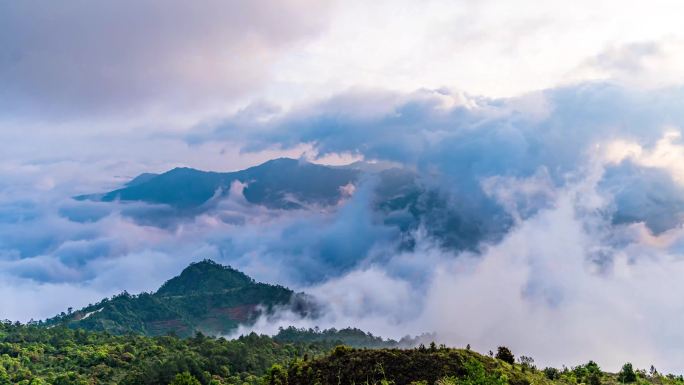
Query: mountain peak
[[140, 179], [281, 163], [205, 276]]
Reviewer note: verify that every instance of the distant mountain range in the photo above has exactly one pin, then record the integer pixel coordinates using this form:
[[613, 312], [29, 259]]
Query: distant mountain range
[[205, 297], [279, 184], [401, 199]]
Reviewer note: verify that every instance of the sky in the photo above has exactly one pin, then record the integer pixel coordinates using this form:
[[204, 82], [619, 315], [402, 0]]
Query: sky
[[564, 118]]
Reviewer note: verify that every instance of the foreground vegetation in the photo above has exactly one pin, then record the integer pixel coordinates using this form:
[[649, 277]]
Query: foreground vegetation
[[447, 366], [33, 355]]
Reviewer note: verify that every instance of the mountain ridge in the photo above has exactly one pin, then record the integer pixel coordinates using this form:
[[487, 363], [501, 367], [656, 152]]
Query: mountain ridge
[[271, 184], [401, 198]]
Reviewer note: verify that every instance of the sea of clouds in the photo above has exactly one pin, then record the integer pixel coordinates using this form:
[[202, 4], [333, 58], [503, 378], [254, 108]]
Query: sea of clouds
[[581, 187]]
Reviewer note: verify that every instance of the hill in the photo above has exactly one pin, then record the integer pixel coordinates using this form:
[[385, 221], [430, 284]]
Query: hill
[[205, 297]]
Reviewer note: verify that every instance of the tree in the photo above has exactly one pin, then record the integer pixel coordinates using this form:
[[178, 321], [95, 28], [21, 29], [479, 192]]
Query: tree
[[552, 373], [653, 371], [593, 372], [277, 375], [4, 377], [627, 374], [185, 378], [504, 354], [526, 362]]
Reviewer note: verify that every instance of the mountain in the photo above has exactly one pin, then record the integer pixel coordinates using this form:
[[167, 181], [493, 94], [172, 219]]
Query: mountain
[[279, 183], [401, 199], [206, 297]]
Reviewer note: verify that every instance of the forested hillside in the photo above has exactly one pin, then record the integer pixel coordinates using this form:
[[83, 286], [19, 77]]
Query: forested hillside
[[448, 366], [35, 355], [205, 297], [60, 355]]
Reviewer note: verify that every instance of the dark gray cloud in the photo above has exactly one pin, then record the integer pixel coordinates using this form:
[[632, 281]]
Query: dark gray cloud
[[77, 57]]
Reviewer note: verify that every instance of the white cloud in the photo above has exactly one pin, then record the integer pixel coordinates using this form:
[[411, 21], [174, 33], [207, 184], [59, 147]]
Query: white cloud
[[492, 48], [667, 153], [650, 64]]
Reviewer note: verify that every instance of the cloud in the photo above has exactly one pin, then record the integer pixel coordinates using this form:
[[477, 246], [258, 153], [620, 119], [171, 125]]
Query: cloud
[[483, 47], [457, 143], [667, 154], [591, 185], [645, 64], [131, 57], [545, 290], [149, 60]]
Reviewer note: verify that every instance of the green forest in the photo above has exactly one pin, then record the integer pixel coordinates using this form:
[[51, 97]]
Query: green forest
[[206, 297], [33, 354], [59, 355]]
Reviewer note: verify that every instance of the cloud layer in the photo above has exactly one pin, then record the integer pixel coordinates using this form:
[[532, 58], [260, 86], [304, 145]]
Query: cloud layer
[[80, 58]]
